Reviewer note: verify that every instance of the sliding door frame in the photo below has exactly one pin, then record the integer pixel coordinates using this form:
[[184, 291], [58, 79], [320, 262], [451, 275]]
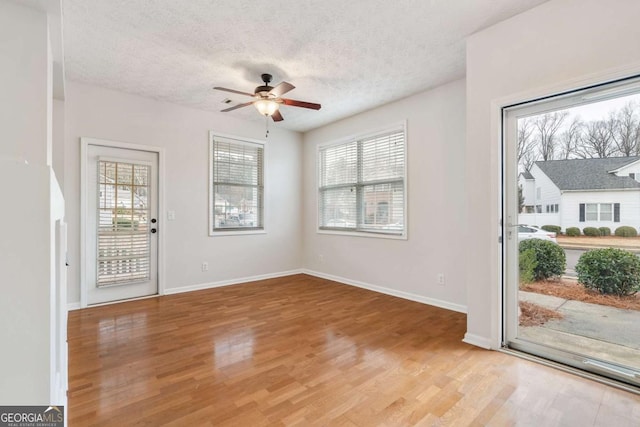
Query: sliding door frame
[[508, 194]]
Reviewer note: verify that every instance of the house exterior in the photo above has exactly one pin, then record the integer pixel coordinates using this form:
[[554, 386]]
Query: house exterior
[[582, 193]]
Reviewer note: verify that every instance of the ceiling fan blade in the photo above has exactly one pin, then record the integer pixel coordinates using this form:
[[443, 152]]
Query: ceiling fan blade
[[281, 89], [277, 116], [233, 91], [235, 107], [302, 104]]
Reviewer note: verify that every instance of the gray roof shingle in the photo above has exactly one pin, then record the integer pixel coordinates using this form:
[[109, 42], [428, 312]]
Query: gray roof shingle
[[526, 175], [588, 174]]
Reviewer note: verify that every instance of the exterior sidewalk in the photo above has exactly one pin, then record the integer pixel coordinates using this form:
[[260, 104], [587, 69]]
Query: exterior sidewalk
[[599, 330]]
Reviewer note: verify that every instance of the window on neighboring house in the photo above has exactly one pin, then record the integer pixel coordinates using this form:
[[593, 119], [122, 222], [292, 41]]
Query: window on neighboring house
[[538, 208], [236, 199], [592, 212], [632, 175], [362, 184], [552, 208], [600, 212], [606, 212], [538, 193], [557, 208]]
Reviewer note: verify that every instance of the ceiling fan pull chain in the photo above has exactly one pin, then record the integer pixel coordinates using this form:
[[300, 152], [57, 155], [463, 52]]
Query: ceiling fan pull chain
[[266, 118]]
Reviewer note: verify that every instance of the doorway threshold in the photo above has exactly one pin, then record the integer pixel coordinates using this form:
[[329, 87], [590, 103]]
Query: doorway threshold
[[571, 370]]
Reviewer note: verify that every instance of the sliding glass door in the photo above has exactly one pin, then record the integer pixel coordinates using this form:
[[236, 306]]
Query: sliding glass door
[[571, 217]]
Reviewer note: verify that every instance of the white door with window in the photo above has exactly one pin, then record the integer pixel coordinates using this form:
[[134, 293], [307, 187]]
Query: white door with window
[[120, 207], [569, 299]]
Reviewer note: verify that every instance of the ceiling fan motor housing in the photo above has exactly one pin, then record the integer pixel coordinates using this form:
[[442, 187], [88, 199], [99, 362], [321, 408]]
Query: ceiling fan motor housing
[[263, 91]]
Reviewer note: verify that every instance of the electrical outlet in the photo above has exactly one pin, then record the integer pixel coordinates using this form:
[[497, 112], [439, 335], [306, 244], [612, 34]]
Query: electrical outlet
[[321, 258], [171, 215], [441, 279], [205, 266]]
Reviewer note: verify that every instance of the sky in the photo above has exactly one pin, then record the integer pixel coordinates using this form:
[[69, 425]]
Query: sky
[[600, 109]]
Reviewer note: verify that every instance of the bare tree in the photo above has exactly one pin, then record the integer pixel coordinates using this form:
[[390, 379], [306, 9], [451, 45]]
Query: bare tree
[[526, 143], [570, 139], [528, 160], [547, 126], [597, 141], [625, 130]]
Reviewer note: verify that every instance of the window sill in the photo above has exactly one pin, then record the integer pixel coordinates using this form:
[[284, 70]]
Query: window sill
[[235, 232], [364, 234]]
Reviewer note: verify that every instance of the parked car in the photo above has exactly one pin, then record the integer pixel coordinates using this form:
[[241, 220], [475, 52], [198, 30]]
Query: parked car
[[531, 232]]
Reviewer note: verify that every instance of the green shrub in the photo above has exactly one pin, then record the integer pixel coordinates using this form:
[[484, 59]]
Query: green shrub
[[626, 231], [591, 231], [528, 263], [609, 271], [552, 228], [572, 231], [550, 258], [604, 231]]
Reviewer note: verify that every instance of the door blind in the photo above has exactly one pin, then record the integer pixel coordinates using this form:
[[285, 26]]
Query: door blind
[[124, 243]]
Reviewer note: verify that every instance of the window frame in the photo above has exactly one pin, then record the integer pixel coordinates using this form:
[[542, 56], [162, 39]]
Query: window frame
[[213, 232], [612, 212], [358, 231], [610, 205]]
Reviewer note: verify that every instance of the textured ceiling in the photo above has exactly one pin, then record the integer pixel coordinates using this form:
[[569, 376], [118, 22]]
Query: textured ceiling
[[350, 56]]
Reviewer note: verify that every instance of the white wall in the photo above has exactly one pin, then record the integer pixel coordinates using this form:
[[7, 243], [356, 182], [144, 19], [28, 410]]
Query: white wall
[[561, 44], [27, 251], [436, 205], [183, 133], [23, 78], [549, 192]]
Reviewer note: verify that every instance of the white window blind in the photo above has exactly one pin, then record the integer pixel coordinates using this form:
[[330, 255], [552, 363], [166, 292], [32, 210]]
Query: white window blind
[[237, 190], [362, 184], [124, 247]]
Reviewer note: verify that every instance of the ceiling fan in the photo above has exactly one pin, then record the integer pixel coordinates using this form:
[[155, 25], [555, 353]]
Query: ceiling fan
[[268, 99]]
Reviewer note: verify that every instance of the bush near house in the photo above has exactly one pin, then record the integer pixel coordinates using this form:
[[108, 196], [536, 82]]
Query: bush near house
[[605, 231], [591, 231], [626, 231], [550, 259], [552, 228], [572, 231], [609, 271]]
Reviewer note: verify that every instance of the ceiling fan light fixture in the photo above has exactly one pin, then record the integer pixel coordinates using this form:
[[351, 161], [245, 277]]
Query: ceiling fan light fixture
[[266, 107]]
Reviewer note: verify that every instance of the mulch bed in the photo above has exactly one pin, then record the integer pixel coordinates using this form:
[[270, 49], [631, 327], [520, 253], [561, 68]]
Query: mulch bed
[[534, 315], [574, 291]]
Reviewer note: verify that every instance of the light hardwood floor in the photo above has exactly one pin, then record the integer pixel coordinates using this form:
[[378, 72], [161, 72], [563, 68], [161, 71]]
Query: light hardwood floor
[[306, 351]]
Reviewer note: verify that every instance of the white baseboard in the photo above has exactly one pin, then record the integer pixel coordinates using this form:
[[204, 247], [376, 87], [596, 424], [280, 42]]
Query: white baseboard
[[477, 340], [210, 285], [388, 291]]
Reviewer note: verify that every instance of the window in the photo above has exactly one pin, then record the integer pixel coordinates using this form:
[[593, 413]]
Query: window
[[236, 185], [600, 212], [592, 212], [362, 184], [538, 193]]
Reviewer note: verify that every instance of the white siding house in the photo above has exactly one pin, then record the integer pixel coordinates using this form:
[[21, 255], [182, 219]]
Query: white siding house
[[583, 193]]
